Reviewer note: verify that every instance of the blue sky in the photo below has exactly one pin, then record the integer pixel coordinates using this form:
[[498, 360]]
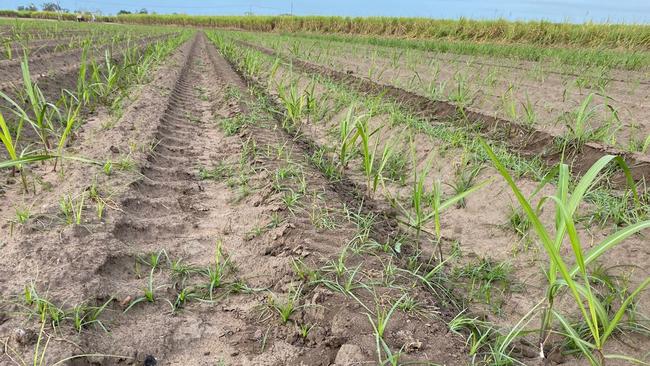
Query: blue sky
[[556, 10]]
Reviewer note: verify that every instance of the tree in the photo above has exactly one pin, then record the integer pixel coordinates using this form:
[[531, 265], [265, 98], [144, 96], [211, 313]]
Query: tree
[[51, 7], [123, 12], [143, 11], [30, 7]]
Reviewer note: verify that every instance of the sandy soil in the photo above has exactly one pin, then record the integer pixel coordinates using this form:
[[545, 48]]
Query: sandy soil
[[167, 134], [480, 228], [502, 87]]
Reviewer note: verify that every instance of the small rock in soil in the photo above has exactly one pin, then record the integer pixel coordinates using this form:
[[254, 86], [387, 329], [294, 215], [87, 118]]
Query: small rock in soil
[[349, 354], [126, 301]]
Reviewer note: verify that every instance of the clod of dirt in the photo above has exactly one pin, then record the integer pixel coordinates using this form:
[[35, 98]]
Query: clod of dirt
[[300, 251], [24, 337], [555, 357], [349, 354], [294, 338], [150, 361], [413, 346]]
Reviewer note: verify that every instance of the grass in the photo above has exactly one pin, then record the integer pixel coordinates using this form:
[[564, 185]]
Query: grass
[[379, 320], [487, 281], [286, 308], [220, 171], [231, 126]]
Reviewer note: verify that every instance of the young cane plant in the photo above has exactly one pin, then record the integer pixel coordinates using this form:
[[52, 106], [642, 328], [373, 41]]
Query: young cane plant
[[294, 104], [560, 275], [310, 99], [41, 110], [348, 136], [17, 161], [73, 108], [368, 152], [422, 212], [104, 83], [9, 142], [579, 128], [83, 89]]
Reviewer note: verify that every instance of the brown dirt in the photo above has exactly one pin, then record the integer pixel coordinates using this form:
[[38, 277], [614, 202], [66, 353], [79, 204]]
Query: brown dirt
[[530, 142], [62, 62], [481, 228], [553, 90], [169, 132]]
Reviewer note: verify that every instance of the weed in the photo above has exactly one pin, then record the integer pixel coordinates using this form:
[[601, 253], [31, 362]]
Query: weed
[[217, 273], [464, 181], [291, 199], [22, 215], [231, 126], [304, 329], [286, 308], [485, 276], [218, 172]]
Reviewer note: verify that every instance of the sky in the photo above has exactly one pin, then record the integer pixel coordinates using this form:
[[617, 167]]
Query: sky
[[627, 11]]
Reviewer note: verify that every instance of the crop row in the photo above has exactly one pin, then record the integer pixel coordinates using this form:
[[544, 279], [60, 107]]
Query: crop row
[[603, 105], [42, 124], [400, 159]]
